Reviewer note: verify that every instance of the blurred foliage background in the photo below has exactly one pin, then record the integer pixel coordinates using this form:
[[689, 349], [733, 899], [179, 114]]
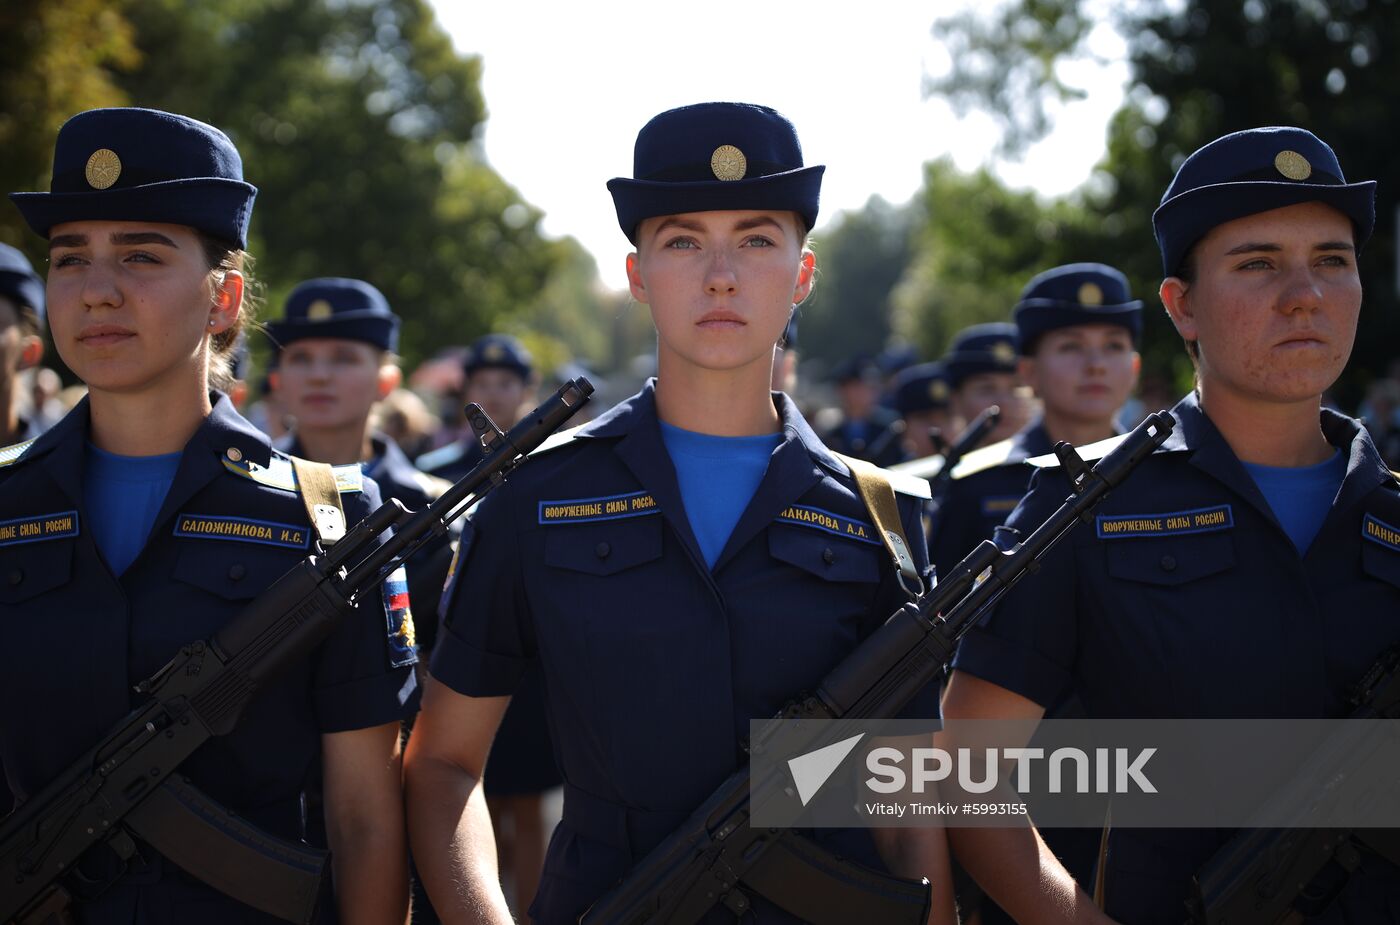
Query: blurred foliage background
[[360, 124]]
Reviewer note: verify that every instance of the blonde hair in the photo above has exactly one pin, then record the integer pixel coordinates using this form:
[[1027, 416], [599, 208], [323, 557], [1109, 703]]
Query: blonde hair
[[222, 257]]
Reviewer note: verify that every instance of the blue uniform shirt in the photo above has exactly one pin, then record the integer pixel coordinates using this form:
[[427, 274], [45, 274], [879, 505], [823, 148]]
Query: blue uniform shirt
[[1219, 619], [654, 662], [79, 638], [1300, 497], [123, 495]]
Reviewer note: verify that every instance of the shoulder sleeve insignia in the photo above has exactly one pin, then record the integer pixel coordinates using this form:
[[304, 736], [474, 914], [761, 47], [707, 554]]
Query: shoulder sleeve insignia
[[11, 454], [278, 474], [1091, 452], [988, 457], [398, 612]]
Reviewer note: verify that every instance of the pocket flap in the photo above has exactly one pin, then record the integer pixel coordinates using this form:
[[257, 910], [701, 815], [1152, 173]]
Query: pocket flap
[[827, 556], [603, 547], [1169, 561]]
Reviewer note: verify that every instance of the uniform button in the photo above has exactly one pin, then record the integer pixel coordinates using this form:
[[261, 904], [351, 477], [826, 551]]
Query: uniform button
[[1169, 563], [603, 550], [236, 571], [234, 454], [828, 556], [16, 576]]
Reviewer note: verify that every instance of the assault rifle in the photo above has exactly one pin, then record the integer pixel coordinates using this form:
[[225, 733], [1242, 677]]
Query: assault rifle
[[717, 857], [1280, 876], [128, 786]]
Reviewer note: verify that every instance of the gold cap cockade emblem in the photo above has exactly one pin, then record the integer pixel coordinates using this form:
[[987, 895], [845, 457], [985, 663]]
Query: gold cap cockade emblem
[[1292, 165], [1090, 294], [1003, 352], [728, 163], [493, 353], [938, 390], [319, 310], [103, 168]]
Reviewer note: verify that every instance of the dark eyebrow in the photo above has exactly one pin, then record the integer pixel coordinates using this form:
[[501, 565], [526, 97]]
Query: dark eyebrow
[[67, 240], [1260, 247], [674, 221], [142, 237], [757, 221]]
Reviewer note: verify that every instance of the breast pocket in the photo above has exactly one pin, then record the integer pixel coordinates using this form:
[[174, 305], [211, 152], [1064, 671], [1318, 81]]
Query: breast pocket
[[235, 571], [604, 548], [1381, 563], [30, 569], [828, 557], [1170, 561]]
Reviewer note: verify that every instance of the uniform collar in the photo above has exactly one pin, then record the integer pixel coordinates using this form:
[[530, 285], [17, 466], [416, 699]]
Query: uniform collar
[[626, 415], [391, 461], [795, 467], [1211, 453], [1033, 440]]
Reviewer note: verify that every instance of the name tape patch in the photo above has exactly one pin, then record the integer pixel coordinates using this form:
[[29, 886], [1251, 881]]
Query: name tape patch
[[1000, 505], [1378, 531], [586, 510], [241, 529], [1199, 520], [38, 528], [828, 522]]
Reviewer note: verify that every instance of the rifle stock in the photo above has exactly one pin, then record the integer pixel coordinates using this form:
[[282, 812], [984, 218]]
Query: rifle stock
[[125, 783]]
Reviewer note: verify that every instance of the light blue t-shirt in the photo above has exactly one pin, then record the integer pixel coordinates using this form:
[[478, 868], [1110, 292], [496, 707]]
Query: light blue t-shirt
[[123, 495], [718, 477], [1301, 497]]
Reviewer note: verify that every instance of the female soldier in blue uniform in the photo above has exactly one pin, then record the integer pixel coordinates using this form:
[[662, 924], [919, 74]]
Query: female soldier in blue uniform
[[336, 343], [1076, 330], [1278, 593], [153, 512], [664, 566]]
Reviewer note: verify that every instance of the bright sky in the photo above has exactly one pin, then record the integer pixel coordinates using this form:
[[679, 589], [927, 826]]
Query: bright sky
[[568, 85]]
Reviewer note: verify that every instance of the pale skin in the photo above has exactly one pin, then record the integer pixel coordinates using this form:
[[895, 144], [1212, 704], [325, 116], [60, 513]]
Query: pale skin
[[1274, 307], [132, 306], [1082, 375], [720, 286], [1005, 390], [330, 385]]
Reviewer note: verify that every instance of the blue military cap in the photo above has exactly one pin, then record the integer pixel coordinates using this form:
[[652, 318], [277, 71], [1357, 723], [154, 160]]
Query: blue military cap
[[1254, 171], [716, 156], [981, 348], [349, 309], [921, 388], [1077, 293], [896, 358], [144, 165], [498, 351], [18, 281], [861, 366]]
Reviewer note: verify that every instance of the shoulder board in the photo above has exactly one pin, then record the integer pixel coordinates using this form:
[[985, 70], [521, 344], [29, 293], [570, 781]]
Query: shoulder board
[[278, 474], [924, 468], [911, 485], [1090, 452], [432, 486], [556, 440], [436, 459], [11, 454], [988, 457]]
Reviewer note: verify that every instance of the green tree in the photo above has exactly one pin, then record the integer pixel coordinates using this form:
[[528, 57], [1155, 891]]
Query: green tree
[[860, 259], [56, 57], [980, 244]]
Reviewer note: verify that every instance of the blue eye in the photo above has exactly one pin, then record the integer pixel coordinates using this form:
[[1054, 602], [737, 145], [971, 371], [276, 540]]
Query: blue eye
[[681, 243]]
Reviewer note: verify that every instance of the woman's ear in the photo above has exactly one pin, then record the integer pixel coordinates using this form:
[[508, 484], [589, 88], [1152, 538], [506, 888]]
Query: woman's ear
[[389, 378], [1175, 295], [228, 299], [806, 277], [634, 278], [31, 351]]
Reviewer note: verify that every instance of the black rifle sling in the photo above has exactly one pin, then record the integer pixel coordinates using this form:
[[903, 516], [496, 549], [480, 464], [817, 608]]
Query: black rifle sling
[[208, 842], [816, 886]]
